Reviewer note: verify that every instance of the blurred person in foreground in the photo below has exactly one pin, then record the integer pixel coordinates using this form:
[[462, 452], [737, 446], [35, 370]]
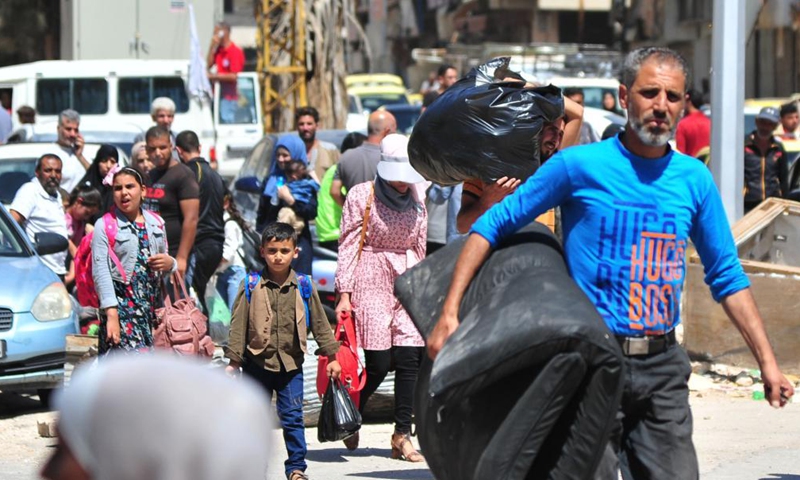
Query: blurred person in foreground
[[634, 273], [159, 417]]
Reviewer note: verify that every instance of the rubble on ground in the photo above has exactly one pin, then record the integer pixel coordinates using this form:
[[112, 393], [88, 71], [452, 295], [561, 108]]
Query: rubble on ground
[[733, 381]]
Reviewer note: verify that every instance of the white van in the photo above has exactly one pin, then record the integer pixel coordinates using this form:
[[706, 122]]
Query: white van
[[119, 92]]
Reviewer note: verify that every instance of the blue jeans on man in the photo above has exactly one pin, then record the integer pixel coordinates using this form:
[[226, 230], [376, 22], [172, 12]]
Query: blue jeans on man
[[289, 387]]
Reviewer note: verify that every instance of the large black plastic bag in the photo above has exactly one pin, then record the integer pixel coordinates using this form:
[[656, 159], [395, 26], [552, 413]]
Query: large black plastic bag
[[339, 417], [482, 127], [529, 385]]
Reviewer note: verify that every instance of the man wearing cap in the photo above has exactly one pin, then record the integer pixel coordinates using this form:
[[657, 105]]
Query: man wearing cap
[[766, 172]]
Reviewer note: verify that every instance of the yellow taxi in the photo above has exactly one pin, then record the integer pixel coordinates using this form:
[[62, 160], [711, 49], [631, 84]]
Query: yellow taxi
[[377, 89]]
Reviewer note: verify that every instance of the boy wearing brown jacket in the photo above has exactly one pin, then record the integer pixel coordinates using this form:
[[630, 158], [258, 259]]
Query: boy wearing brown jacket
[[268, 337]]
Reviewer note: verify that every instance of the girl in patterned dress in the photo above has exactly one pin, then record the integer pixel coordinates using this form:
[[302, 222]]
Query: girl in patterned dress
[[128, 281], [396, 234]]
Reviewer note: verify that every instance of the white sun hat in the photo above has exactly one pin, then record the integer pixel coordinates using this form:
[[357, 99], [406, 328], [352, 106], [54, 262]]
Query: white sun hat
[[394, 165]]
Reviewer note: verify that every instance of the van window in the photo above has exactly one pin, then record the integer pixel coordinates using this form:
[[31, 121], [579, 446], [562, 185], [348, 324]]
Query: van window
[[136, 94], [86, 95], [244, 111], [593, 96]]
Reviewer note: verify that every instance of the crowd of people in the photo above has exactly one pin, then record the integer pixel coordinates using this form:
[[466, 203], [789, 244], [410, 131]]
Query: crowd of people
[[168, 216]]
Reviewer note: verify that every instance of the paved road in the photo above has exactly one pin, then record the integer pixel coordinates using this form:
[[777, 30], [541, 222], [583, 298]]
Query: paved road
[[736, 438]]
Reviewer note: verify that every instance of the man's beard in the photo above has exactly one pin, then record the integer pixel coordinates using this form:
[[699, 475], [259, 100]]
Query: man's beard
[[51, 187], [649, 138], [308, 136]]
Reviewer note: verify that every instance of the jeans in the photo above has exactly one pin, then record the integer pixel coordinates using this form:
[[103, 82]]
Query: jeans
[[227, 110], [289, 387], [653, 437], [228, 284], [406, 363]]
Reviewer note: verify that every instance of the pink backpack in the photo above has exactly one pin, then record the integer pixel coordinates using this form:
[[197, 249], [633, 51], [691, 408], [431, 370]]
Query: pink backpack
[[84, 281]]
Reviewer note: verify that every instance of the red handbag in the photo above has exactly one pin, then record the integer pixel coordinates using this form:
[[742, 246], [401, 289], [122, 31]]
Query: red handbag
[[347, 356], [181, 326]]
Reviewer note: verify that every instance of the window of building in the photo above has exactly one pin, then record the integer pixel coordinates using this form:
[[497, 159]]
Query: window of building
[[85, 95], [136, 94], [694, 10]]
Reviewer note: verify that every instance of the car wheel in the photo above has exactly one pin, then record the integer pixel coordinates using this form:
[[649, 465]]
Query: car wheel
[[44, 396]]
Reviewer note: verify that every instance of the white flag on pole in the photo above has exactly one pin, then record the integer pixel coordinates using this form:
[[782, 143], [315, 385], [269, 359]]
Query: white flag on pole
[[199, 86]]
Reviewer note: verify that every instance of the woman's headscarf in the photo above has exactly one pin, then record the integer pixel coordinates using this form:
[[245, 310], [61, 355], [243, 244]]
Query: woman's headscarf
[[158, 417], [394, 166], [297, 150], [93, 179], [92, 176]]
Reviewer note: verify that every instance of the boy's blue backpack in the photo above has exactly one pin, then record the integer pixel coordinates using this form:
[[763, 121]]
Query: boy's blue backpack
[[303, 282]]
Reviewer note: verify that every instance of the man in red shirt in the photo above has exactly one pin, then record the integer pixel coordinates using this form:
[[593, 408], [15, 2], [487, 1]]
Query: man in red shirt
[[694, 130], [229, 60]]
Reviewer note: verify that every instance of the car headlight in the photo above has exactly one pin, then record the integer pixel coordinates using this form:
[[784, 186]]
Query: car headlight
[[52, 303]]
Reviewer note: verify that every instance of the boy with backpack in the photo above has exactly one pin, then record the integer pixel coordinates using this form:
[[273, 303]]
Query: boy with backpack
[[269, 326]]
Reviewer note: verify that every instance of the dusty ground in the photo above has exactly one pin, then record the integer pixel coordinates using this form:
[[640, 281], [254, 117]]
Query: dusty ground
[[736, 438]]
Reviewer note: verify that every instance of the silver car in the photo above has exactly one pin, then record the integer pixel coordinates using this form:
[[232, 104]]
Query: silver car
[[36, 313]]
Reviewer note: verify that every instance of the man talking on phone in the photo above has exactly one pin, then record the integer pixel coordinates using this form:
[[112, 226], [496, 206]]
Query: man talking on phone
[[71, 152], [229, 60]]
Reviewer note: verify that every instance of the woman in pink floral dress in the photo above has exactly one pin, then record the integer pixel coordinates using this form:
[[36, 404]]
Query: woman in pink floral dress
[[395, 241]]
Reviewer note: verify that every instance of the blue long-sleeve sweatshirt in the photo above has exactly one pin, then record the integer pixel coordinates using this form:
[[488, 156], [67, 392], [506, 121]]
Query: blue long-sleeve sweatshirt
[[627, 221]]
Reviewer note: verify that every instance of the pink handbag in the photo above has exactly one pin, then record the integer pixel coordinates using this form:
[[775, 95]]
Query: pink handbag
[[181, 326]]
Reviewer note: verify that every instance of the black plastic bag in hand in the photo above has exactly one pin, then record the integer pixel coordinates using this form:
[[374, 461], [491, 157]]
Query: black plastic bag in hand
[[484, 127], [339, 417]]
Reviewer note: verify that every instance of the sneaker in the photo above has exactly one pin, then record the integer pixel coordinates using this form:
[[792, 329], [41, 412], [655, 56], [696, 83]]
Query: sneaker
[[297, 475]]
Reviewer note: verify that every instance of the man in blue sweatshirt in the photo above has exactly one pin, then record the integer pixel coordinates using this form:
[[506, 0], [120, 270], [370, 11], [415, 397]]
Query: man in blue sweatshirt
[[630, 206]]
